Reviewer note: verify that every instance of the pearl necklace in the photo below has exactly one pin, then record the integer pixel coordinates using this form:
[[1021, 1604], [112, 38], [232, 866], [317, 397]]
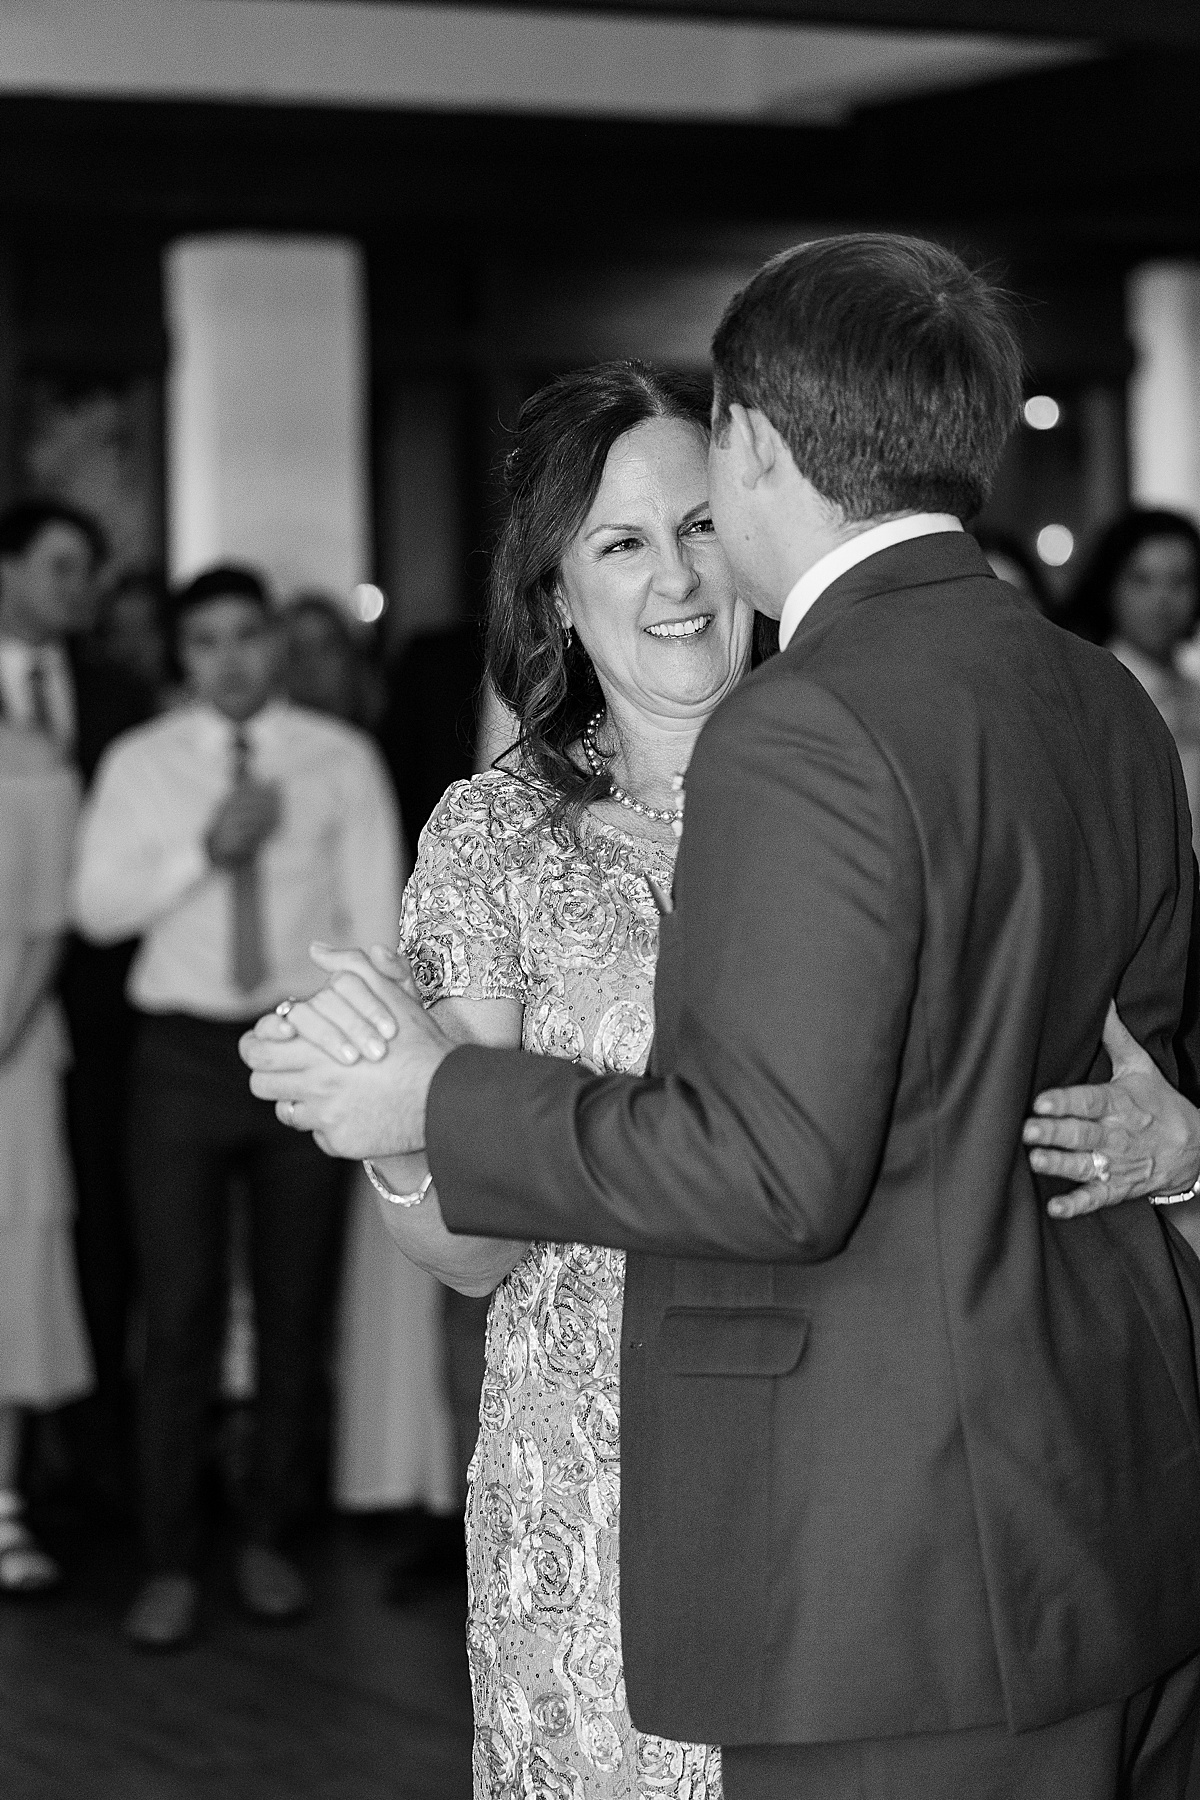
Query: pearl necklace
[[664, 815]]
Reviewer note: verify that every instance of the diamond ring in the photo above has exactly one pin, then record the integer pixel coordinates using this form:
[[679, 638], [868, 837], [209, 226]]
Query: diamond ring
[[1100, 1165]]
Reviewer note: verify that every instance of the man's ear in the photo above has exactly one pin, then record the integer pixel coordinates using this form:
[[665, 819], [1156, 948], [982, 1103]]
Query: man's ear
[[756, 441]]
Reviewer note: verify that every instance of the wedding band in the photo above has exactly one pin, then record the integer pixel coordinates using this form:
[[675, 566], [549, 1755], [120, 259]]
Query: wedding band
[[284, 1008], [1100, 1165]]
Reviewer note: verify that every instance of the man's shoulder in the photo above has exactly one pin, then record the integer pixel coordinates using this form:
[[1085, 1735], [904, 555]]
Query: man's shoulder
[[783, 695], [144, 744]]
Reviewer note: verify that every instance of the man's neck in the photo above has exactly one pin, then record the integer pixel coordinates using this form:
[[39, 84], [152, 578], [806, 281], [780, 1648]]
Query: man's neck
[[240, 721], [806, 553], [18, 628]]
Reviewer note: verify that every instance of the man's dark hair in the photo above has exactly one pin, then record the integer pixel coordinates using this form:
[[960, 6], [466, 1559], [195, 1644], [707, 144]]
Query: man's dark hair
[[890, 369], [223, 581], [25, 520]]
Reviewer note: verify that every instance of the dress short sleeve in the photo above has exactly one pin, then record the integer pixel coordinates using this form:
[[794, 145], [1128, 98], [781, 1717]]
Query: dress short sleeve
[[461, 921], [39, 811]]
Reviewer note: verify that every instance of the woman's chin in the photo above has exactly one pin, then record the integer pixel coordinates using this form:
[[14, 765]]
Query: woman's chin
[[694, 687]]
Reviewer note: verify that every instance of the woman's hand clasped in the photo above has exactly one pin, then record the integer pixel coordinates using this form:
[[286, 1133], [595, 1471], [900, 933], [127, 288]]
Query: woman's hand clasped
[[350, 1017], [1118, 1140], [326, 1064]]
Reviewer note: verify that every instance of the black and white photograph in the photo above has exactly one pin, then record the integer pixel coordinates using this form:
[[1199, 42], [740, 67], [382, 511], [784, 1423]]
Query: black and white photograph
[[599, 907]]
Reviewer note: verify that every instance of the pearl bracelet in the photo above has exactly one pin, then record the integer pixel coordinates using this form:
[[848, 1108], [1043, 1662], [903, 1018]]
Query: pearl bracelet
[[381, 1187], [1176, 1199]]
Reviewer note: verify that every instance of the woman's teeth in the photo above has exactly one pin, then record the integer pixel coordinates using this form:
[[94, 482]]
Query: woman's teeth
[[681, 628]]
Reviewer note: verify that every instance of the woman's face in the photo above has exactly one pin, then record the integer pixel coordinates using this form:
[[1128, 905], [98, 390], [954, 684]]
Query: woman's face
[[1154, 596], [646, 585]]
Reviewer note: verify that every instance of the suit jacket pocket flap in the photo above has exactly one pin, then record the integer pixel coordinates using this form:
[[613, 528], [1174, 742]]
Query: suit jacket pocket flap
[[728, 1340]]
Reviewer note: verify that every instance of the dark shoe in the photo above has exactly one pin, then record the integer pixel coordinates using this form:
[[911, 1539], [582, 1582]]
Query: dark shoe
[[270, 1587], [163, 1617]]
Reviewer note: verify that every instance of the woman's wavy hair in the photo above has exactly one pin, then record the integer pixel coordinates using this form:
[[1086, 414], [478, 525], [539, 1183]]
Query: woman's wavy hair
[[1089, 610], [551, 475]]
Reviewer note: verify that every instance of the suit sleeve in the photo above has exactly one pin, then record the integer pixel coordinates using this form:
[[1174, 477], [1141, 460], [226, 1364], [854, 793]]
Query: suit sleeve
[[785, 984], [1187, 1041]]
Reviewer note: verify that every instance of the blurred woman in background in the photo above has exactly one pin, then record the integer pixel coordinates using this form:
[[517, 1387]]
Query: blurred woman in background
[[1140, 596], [393, 1434], [133, 634], [326, 666], [44, 1359]]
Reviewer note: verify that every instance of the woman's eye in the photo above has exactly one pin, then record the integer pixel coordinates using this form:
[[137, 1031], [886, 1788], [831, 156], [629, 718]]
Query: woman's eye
[[700, 527], [628, 543]]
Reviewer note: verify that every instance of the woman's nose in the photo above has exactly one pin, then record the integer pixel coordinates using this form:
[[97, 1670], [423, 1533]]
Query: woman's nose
[[677, 578]]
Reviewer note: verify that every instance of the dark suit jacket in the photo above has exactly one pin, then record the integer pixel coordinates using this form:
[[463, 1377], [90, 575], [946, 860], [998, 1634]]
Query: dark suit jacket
[[899, 1453]]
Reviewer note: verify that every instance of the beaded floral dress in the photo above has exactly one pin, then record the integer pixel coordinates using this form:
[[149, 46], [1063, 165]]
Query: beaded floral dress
[[499, 907]]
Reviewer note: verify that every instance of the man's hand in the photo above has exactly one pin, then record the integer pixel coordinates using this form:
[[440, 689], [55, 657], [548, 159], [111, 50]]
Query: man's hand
[[1121, 1139], [355, 1106], [245, 819]]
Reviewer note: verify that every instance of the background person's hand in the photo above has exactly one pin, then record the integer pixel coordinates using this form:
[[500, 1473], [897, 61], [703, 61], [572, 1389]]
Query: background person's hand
[[246, 818], [1147, 1134]]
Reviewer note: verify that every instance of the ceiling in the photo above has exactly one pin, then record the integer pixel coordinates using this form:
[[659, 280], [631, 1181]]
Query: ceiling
[[572, 61], [1108, 21]]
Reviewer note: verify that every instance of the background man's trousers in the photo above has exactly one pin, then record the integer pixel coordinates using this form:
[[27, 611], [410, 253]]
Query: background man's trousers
[[193, 1124]]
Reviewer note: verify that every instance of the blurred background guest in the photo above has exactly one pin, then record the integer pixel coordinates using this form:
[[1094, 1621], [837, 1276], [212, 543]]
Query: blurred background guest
[[393, 1437], [1139, 594], [231, 833], [50, 556], [440, 721], [1012, 562], [44, 1359], [327, 667], [133, 635]]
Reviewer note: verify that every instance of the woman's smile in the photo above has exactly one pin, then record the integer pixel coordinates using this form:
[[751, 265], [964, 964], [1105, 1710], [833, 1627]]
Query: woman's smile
[[681, 629]]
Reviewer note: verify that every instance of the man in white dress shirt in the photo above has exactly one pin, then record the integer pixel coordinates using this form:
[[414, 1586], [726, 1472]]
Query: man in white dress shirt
[[229, 835]]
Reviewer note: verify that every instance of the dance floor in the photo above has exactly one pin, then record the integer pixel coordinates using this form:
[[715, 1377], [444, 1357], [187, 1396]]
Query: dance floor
[[361, 1701]]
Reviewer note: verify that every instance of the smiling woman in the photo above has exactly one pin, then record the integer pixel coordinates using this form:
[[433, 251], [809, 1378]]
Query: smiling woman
[[609, 591]]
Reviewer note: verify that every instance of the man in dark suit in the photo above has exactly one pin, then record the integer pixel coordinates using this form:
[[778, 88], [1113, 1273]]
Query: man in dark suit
[[910, 1472], [49, 556]]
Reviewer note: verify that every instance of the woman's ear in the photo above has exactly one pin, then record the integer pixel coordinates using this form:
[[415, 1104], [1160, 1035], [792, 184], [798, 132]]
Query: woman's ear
[[563, 612]]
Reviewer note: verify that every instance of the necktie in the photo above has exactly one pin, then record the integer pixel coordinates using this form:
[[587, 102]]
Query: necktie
[[39, 700], [249, 944]]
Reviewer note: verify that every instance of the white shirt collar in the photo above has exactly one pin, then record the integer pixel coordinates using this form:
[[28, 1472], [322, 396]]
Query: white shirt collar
[[834, 563], [217, 731], [19, 655]]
